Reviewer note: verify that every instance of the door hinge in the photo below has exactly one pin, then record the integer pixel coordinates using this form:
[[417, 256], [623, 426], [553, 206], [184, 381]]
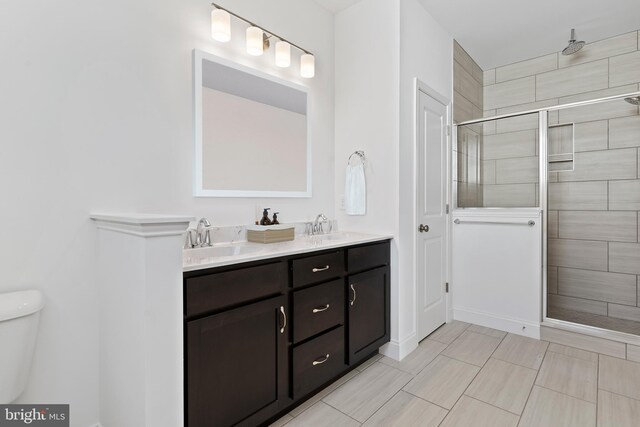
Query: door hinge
[[446, 210], [446, 287], [448, 130]]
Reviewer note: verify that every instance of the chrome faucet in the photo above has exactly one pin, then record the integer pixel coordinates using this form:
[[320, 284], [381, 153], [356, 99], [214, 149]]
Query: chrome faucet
[[316, 228], [200, 236]]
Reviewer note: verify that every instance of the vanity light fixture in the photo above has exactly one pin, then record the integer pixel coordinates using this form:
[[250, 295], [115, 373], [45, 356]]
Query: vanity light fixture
[[220, 25], [258, 39]]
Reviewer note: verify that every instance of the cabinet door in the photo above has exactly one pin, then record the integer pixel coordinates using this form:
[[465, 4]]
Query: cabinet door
[[368, 324], [237, 362]]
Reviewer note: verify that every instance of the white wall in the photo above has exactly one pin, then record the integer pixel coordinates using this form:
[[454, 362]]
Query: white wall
[[375, 113], [96, 115]]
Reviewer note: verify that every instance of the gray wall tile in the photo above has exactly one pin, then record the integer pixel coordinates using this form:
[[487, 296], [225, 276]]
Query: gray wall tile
[[595, 285], [583, 254], [463, 109], [624, 312], [489, 77], [552, 279], [578, 195], [605, 110], [591, 136], [624, 69], [461, 55], [509, 145], [607, 226], [624, 132], [552, 229], [466, 85], [603, 165], [602, 49], [624, 257], [577, 304], [509, 195], [521, 170], [488, 171], [529, 121], [624, 195], [526, 68], [573, 80], [513, 92]]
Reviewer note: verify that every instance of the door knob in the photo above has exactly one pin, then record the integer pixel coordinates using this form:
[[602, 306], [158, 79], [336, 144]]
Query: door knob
[[423, 228]]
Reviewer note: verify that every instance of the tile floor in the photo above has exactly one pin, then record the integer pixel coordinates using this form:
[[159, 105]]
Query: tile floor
[[470, 376]]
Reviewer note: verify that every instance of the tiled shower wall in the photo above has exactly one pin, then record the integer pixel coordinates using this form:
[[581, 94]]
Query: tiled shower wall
[[467, 105], [594, 251]]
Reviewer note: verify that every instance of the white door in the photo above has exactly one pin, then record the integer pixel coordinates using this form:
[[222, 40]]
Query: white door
[[431, 227]]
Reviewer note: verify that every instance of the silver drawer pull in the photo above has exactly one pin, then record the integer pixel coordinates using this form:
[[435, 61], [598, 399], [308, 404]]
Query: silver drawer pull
[[284, 318], [318, 310], [315, 270], [321, 360], [354, 294]]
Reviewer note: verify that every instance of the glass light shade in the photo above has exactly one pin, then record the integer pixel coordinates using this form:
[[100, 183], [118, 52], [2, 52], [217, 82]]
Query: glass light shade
[[220, 25], [255, 43], [283, 54], [307, 66]]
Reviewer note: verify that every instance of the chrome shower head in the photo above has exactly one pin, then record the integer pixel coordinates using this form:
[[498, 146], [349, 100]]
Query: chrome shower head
[[574, 45], [633, 100]]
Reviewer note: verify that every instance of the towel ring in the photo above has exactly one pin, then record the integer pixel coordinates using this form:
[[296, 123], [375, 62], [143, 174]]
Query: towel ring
[[358, 153]]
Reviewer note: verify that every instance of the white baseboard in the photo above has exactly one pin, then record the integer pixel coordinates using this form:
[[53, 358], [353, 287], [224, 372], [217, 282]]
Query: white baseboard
[[489, 320], [398, 350]]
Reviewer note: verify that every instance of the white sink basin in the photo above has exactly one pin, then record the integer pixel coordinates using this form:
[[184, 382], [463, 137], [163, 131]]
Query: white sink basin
[[334, 236], [221, 251]]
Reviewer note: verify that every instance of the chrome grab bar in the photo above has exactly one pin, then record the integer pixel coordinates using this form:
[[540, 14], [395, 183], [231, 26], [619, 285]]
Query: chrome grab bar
[[530, 223]]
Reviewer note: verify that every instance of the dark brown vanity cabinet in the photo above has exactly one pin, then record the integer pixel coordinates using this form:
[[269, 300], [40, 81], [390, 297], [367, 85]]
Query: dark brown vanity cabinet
[[261, 337]]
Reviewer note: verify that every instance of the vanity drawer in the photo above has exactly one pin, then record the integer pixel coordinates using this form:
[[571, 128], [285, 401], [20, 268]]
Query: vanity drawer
[[317, 309], [318, 361], [219, 290], [317, 268], [367, 257]]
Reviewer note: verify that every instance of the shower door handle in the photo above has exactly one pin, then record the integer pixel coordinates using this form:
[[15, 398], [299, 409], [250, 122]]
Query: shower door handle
[[423, 228]]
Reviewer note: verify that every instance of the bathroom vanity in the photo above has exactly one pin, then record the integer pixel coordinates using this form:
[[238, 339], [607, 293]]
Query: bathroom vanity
[[266, 331]]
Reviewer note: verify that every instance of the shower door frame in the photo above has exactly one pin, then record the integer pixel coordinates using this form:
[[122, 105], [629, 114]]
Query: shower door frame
[[543, 124]]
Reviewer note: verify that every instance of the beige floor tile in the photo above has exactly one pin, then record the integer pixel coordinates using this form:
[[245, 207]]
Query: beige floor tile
[[448, 332], [470, 412], [569, 375], [443, 381], [503, 384], [369, 362], [523, 351], [322, 415], [547, 408], [406, 410], [573, 352], [319, 396], [366, 393], [486, 331], [472, 348], [418, 359], [619, 376], [282, 421], [617, 411]]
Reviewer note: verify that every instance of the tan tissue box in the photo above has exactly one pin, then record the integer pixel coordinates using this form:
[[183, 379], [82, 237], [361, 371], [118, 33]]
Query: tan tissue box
[[270, 233]]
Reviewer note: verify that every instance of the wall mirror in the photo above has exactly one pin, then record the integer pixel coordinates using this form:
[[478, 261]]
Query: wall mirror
[[251, 132]]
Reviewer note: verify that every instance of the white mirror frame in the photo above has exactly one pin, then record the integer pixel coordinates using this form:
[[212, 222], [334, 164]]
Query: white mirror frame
[[199, 191]]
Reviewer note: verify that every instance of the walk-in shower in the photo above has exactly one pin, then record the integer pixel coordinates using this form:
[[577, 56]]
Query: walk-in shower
[[579, 163]]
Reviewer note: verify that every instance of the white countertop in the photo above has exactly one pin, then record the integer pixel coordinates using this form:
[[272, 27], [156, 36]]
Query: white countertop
[[235, 253]]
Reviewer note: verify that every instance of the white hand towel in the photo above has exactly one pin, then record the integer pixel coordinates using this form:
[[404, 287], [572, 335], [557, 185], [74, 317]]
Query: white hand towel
[[355, 190]]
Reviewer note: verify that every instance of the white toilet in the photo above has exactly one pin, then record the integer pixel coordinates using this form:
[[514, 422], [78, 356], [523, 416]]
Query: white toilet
[[19, 313]]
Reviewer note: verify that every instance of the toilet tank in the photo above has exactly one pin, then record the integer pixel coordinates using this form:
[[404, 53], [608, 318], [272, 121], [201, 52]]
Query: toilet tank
[[19, 315]]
